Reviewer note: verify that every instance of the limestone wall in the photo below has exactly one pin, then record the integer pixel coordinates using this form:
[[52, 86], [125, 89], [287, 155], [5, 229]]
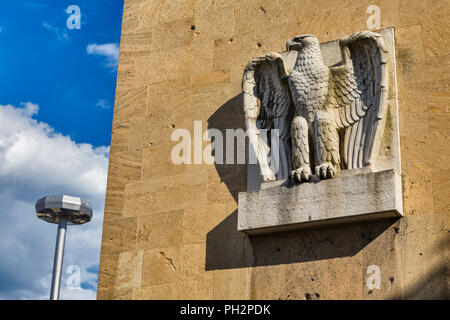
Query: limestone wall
[[170, 230]]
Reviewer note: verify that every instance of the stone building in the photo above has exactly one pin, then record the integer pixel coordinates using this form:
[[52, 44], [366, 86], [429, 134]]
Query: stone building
[[170, 231]]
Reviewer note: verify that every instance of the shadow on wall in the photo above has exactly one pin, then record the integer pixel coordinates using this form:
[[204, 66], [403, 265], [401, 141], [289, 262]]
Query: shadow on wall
[[434, 284], [230, 116], [228, 248]]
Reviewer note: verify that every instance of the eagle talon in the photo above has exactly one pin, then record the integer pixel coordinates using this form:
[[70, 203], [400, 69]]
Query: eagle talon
[[326, 171], [301, 174]]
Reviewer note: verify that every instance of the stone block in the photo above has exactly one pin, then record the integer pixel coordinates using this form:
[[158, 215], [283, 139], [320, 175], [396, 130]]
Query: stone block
[[126, 73], [425, 262], [207, 6], [129, 269], [409, 44], [304, 281], [160, 266], [421, 11], [161, 66], [427, 75], [417, 192], [226, 247], [268, 282], [164, 194], [119, 235], [160, 230], [157, 292], [384, 248], [439, 112], [216, 24], [120, 135], [172, 35], [194, 282], [121, 294], [231, 284], [114, 200], [342, 278], [440, 187], [144, 15], [435, 41], [137, 42], [199, 220], [108, 271], [124, 167], [253, 14], [130, 104], [351, 198], [203, 49], [158, 162], [199, 288]]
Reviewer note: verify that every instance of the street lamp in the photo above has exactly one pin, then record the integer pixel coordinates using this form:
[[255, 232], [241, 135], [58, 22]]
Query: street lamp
[[62, 210]]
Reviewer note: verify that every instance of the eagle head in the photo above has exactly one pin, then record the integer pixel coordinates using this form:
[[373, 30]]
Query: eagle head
[[303, 41]]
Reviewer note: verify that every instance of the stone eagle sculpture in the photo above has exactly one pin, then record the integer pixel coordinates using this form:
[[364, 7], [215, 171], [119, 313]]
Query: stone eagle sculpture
[[328, 118]]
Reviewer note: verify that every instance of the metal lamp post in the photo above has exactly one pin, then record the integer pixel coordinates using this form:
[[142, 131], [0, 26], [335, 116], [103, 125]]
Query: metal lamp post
[[62, 210]]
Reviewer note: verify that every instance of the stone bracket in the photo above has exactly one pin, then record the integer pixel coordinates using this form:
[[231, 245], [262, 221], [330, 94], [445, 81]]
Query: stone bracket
[[359, 197]]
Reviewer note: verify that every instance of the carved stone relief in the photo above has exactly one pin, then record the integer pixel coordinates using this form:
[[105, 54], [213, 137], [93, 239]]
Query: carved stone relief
[[332, 108], [329, 118]]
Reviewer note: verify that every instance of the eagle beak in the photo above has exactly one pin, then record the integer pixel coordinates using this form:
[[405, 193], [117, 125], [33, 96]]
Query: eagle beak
[[295, 43], [288, 46]]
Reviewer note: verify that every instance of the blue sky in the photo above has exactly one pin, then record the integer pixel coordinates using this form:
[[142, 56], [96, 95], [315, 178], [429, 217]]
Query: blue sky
[[56, 103], [44, 62]]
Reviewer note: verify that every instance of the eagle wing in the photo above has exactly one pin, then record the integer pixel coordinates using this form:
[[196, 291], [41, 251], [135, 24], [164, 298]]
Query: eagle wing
[[358, 91], [265, 80]]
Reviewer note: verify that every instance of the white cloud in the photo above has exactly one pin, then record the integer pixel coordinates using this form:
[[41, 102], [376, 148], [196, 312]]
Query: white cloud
[[60, 33], [109, 50], [36, 161], [103, 104]]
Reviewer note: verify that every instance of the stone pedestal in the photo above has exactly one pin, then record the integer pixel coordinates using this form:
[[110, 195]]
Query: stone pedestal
[[345, 199]]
